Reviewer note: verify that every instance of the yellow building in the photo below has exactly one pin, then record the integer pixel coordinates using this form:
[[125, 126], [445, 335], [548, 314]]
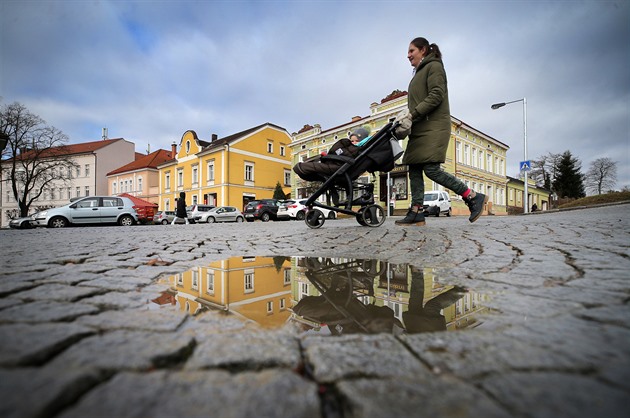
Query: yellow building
[[472, 156], [253, 288], [535, 195], [228, 171]]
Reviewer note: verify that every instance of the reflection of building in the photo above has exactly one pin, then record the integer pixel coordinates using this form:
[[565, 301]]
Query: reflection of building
[[254, 288]]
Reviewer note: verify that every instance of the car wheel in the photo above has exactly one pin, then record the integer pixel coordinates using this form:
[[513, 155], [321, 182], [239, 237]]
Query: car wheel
[[125, 220], [448, 213], [265, 217], [437, 213], [210, 220], [300, 215], [165, 222], [332, 215], [58, 222], [239, 219]]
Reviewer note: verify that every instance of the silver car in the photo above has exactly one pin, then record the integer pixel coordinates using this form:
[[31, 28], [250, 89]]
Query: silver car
[[221, 214], [89, 210]]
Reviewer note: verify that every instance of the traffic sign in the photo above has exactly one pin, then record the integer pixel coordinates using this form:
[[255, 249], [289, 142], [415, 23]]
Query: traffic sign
[[525, 165]]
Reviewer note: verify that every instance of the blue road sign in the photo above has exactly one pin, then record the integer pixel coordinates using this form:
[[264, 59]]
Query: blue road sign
[[525, 165]]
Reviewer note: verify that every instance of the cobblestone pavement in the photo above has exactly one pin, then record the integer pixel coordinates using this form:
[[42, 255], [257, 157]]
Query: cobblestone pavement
[[77, 339]]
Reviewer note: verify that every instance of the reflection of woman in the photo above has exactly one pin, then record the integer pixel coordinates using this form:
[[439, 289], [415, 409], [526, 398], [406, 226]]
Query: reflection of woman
[[428, 125]]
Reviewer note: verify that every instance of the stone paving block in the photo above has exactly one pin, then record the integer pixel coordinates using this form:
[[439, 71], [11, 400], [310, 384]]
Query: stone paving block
[[247, 350], [8, 302], [118, 284], [120, 300], [205, 326], [40, 392], [24, 344], [540, 394], [423, 396], [471, 354], [612, 314], [56, 292], [9, 287], [46, 311], [126, 350], [270, 393], [70, 277], [148, 320], [335, 358]]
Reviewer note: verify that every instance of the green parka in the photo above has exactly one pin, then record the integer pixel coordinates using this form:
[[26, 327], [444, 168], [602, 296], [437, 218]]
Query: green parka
[[428, 104]]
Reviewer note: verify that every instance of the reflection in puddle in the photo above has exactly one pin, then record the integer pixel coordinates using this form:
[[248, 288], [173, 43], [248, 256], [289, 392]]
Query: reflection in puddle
[[325, 295]]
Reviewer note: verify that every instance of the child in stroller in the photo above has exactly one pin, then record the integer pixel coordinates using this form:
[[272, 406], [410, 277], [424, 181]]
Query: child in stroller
[[341, 166]]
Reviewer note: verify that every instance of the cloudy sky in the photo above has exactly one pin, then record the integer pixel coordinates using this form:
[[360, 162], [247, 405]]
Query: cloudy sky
[[150, 70]]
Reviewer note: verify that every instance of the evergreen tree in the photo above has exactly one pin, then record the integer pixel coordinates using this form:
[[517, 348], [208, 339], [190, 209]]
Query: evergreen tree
[[278, 193], [569, 181]]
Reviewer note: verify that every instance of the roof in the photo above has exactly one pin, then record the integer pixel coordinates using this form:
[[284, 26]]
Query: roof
[[71, 149], [229, 139], [137, 201], [146, 161]]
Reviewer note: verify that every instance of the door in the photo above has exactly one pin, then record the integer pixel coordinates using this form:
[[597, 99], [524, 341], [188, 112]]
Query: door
[[86, 211], [110, 208]]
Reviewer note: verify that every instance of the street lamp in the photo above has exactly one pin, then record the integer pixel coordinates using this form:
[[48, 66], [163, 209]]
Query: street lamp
[[524, 100]]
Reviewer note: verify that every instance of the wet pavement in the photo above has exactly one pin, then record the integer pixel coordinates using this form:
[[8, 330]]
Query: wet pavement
[[148, 321]]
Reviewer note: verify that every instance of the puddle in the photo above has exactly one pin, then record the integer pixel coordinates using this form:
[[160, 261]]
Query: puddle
[[328, 296]]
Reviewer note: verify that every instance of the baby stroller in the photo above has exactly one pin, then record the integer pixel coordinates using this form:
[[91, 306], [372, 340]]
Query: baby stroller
[[339, 170]]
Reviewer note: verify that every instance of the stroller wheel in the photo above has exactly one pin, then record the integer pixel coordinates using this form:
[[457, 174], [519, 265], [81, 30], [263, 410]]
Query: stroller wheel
[[372, 215], [314, 218]]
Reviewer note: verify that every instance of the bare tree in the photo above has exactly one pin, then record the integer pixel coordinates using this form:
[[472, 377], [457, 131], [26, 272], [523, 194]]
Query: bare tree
[[601, 175], [544, 170], [35, 157]]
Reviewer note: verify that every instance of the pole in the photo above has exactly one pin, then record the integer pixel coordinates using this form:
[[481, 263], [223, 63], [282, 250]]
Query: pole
[[526, 202]]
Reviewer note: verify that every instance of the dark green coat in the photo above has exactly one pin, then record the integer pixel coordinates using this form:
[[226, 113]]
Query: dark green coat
[[428, 104]]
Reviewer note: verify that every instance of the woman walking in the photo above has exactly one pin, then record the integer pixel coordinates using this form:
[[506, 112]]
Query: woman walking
[[428, 125], [180, 210]]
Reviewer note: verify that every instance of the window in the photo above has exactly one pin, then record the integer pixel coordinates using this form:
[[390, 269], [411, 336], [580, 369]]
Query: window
[[139, 184], [210, 282], [282, 304], [249, 281], [195, 175], [489, 162], [69, 172], [187, 147], [78, 171], [87, 190], [52, 194], [180, 279], [270, 307], [87, 170], [474, 157], [270, 147], [167, 204], [114, 190], [282, 151], [249, 171], [88, 203], [466, 155], [458, 151], [195, 280], [496, 165], [69, 190], [195, 199], [180, 177], [78, 191], [287, 276], [287, 177], [167, 181], [211, 171], [480, 160]]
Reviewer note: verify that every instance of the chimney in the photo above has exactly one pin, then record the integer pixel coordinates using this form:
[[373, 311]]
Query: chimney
[[214, 137], [356, 118], [104, 134], [173, 150]]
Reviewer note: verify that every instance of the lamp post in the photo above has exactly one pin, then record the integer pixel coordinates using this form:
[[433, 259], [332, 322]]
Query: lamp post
[[524, 100]]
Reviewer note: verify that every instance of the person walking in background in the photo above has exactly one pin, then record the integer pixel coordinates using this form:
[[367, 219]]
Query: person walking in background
[[180, 210], [427, 122]]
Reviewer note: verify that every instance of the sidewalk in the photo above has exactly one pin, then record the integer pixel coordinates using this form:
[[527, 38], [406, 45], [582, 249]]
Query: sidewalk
[[77, 338]]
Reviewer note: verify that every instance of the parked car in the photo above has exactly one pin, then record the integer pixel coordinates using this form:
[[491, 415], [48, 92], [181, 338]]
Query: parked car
[[22, 223], [437, 202], [297, 210], [264, 209], [197, 210], [89, 210], [221, 214], [164, 217]]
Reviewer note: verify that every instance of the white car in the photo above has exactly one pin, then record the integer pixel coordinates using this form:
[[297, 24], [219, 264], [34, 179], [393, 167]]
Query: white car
[[89, 210], [296, 210], [220, 214], [437, 202]]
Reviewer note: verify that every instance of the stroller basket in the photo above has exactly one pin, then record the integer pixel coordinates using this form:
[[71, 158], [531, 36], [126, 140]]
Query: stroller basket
[[338, 171]]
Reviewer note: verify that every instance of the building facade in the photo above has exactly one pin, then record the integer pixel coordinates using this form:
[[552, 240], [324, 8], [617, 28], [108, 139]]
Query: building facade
[[140, 178], [539, 196], [228, 171], [91, 162], [474, 157]]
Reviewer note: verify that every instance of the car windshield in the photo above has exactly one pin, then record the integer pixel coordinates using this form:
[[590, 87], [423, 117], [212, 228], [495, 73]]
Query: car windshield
[[430, 197]]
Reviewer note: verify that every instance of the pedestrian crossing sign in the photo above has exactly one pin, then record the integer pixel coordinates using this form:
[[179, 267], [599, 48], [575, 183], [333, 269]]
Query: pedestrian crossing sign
[[525, 165]]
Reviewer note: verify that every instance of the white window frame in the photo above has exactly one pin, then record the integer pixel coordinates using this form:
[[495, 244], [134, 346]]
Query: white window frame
[[210, 282], [249, 172], [167, 180], [269, 147], [180, 177], [248, 281], [210, 171]]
